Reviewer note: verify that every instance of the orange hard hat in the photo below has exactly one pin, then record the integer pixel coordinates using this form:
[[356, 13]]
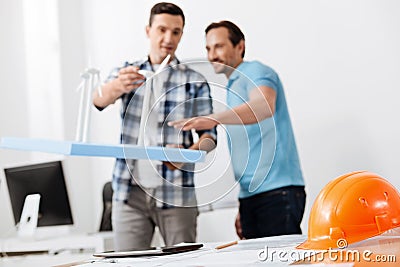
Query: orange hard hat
[[351, 208]]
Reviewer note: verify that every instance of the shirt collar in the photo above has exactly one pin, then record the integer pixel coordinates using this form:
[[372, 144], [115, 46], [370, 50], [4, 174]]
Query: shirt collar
[[236, 73], [173, 62]]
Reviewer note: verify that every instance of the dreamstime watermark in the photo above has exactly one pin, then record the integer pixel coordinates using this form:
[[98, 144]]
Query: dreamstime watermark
[[339, 254]]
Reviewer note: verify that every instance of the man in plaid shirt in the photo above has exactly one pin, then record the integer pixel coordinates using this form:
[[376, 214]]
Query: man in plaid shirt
[[170, 201]]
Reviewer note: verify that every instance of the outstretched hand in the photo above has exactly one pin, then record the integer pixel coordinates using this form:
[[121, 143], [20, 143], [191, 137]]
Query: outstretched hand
[[173, 165], [197, 123]]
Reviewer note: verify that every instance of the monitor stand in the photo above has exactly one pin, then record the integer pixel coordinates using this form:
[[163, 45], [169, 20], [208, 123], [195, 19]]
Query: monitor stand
[[51, 239], [27, 227], [29, 217]]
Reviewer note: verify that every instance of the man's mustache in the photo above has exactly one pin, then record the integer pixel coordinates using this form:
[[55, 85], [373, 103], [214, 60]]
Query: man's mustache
[[217, 61]]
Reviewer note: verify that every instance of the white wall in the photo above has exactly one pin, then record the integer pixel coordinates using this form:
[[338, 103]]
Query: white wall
[[35, 70], [13, 105], [338, 60]]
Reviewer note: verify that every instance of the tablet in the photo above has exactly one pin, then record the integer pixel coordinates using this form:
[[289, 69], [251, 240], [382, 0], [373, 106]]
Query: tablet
[[150, 252]]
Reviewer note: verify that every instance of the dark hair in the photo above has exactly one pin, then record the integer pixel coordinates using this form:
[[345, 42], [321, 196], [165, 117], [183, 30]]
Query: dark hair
[[235, 34], [166, 8]]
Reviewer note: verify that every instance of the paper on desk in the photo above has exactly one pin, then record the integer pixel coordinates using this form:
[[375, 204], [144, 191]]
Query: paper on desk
[[244, 254], [136, 263], [327, 265], [276, 250], [289, 241], [275, 241], [149, 260]]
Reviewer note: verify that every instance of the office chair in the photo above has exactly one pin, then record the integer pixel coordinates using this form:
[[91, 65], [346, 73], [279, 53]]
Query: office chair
[[105, 224]]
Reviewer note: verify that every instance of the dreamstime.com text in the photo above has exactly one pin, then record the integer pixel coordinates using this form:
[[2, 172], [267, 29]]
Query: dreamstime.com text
[[332, 255]]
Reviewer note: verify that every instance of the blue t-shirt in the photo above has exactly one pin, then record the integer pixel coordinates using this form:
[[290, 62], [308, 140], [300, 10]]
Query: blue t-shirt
[[264, 154]]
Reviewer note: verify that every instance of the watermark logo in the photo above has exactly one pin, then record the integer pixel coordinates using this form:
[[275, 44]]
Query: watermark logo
[[339, 254], [341, 243]]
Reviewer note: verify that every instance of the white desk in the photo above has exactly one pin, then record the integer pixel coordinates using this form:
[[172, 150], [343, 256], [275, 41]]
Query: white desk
[[246, 253], [75, 242], [243, 254], [44, 260], [280, 251], [61, 250]]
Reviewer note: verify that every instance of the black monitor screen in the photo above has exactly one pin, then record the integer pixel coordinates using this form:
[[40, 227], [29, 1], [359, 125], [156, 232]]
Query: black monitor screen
[[46, 179]]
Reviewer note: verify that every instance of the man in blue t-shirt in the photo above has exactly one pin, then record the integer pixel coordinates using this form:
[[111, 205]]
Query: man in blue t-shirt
[[260, 138]]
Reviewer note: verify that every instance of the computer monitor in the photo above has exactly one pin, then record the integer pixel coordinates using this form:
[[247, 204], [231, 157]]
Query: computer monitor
[[46, 179]]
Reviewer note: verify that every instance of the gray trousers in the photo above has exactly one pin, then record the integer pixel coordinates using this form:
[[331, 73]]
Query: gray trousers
[[133, 222]]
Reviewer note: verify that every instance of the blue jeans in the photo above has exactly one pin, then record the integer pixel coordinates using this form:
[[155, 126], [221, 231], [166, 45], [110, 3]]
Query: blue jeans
[[271, 213]]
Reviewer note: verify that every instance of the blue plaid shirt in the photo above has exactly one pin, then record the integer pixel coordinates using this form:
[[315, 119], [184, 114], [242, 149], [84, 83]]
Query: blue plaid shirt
[[185, 94]]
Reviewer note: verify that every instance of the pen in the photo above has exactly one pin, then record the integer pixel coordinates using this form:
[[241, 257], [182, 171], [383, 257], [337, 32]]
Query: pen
[[227, 245]]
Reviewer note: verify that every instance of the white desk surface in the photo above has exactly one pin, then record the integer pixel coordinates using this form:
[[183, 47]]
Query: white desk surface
[[246, 253], [243, 254], [281, 252], [44, 260], [60, 243], [62, 249]]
